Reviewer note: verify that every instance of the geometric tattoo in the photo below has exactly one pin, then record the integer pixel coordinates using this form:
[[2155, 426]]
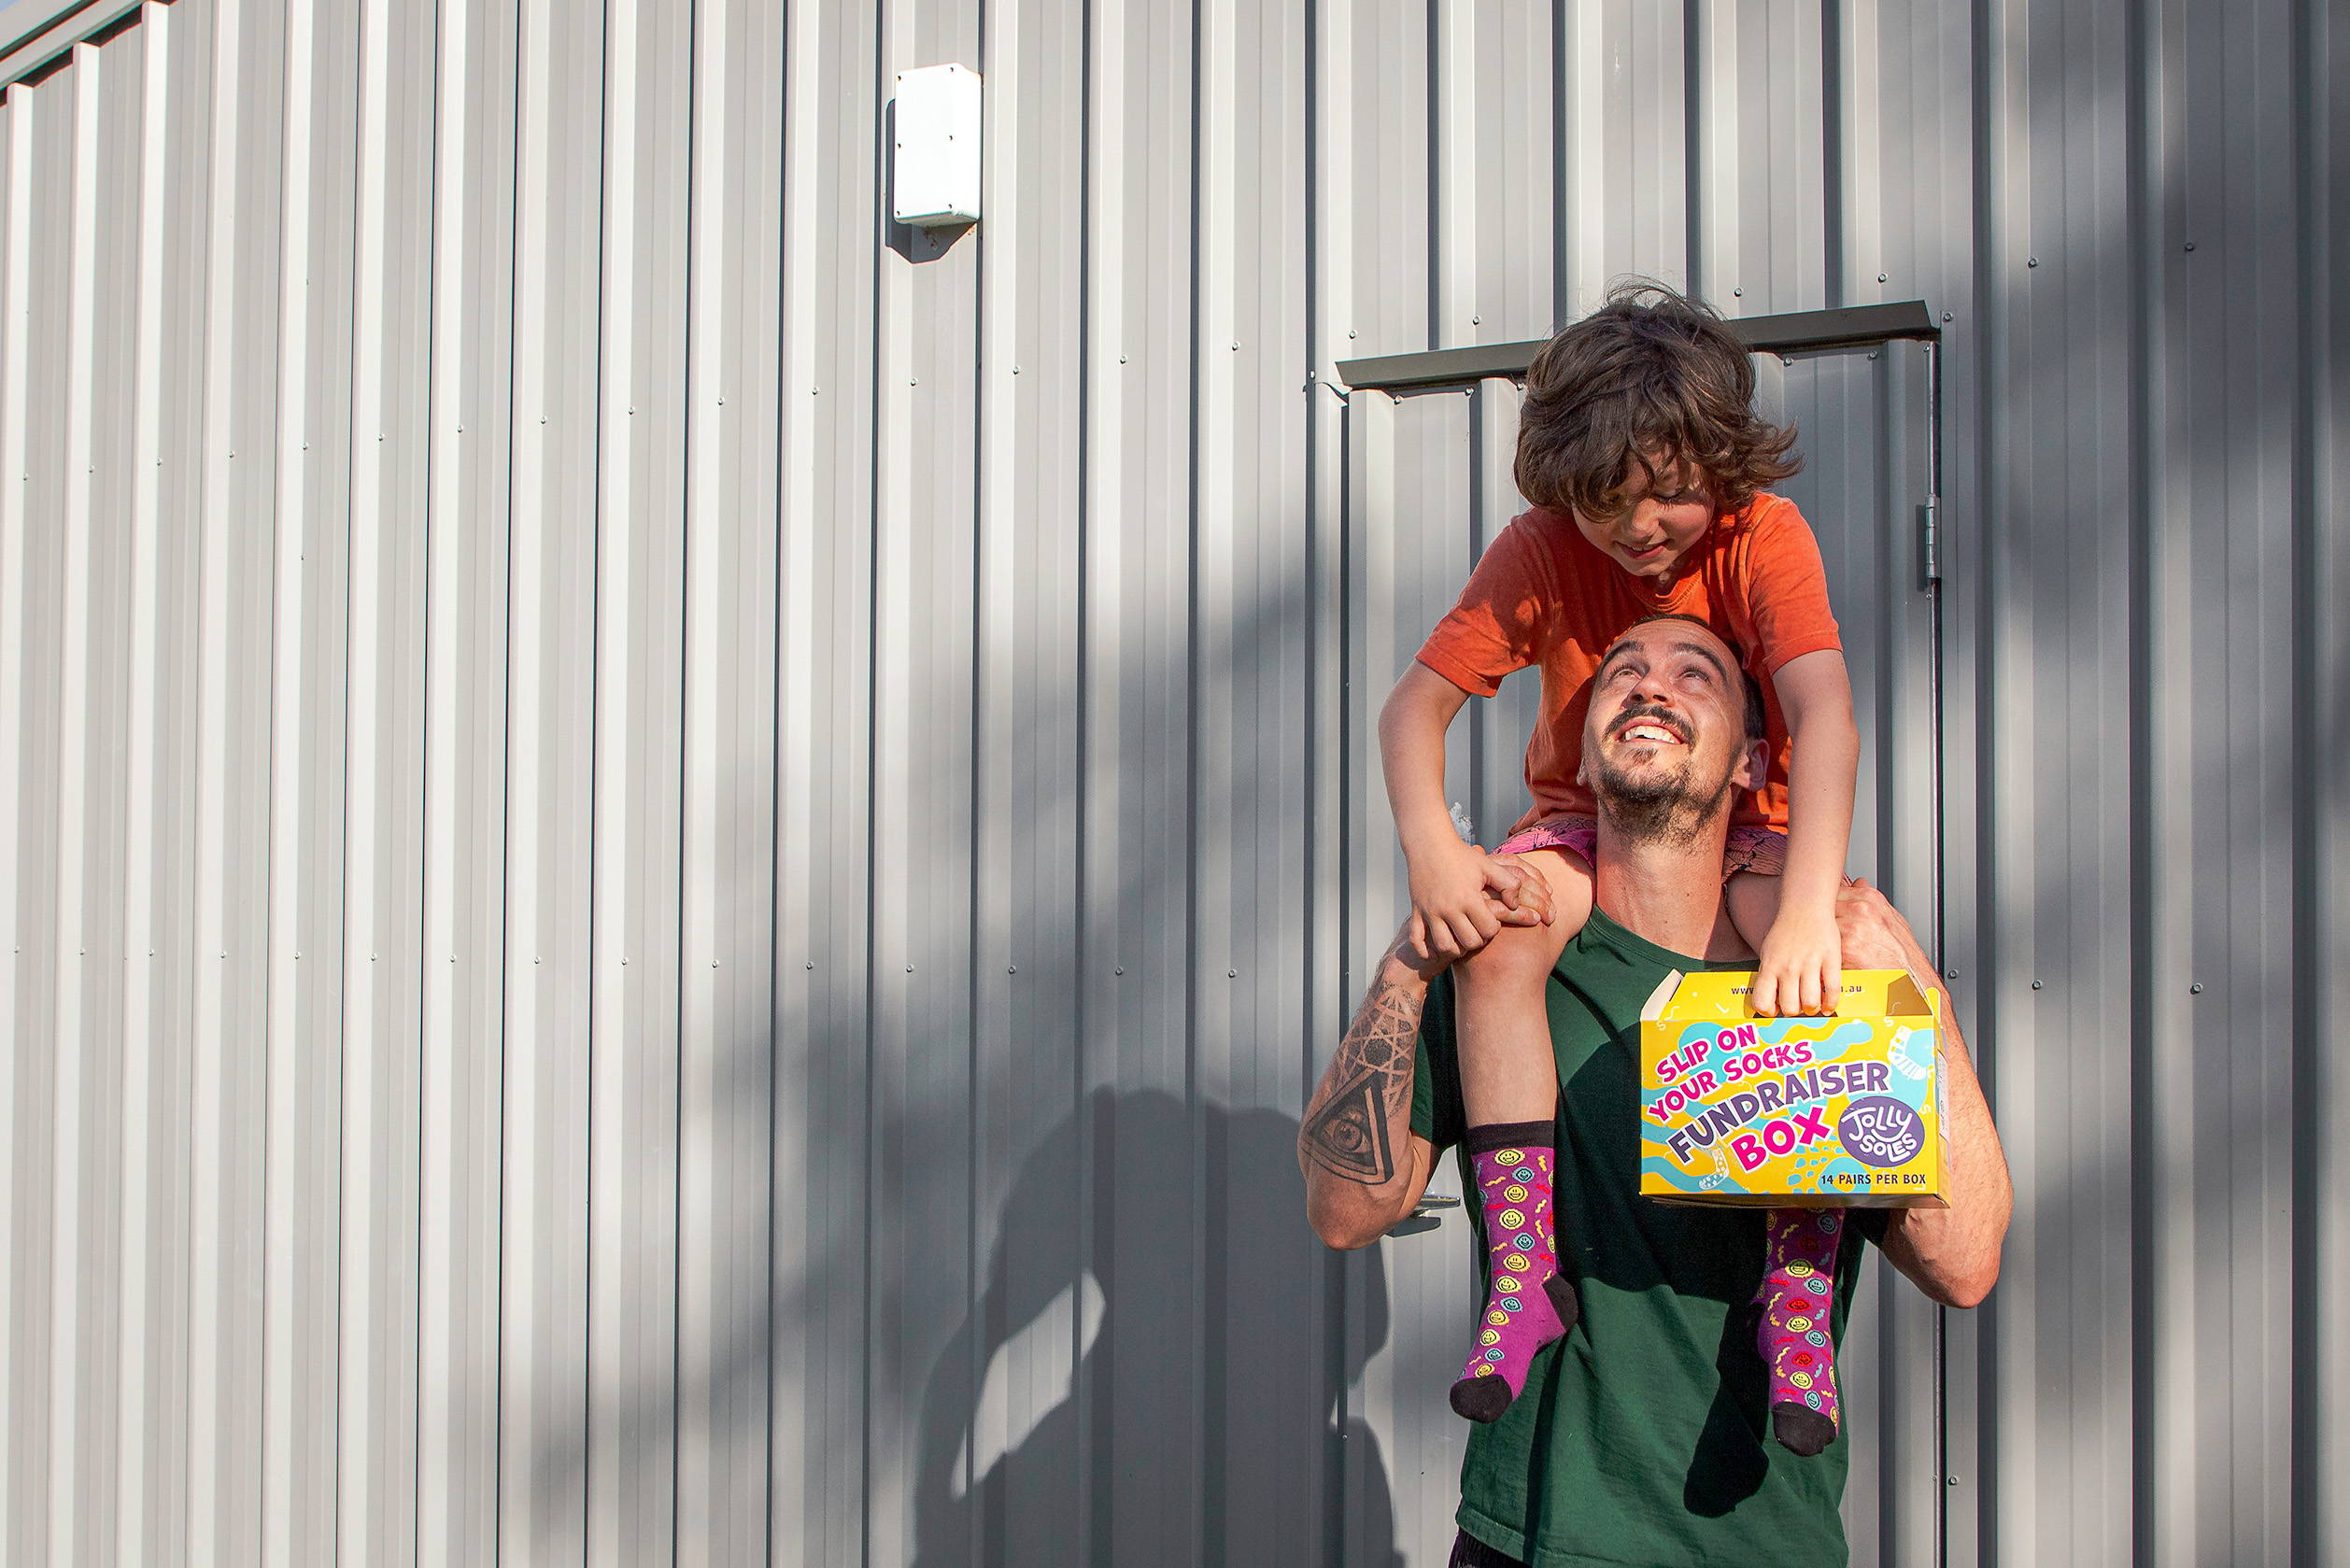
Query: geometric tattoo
[[1370, 1081]]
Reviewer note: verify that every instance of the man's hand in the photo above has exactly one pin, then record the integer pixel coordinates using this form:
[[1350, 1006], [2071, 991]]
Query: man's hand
[[1461, 896], [1801, 968], [1874, 935]]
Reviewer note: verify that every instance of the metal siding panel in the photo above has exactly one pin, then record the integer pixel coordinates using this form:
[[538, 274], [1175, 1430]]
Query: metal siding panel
[[384, 960], [925, 1043], [310, 742], [1412, 1294], [142, 1423], [1000, 1448], [88, 1041], [729, 807], [832, 101], [625, 1463], [41, 873], [549, 515], [465, 442], [1267, 1259], [2322, 1524], [1137, 1136], [1622, 125], [15, 648]]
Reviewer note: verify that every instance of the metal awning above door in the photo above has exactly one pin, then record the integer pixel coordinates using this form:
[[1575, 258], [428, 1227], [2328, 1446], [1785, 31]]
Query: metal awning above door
[[1793, 333]]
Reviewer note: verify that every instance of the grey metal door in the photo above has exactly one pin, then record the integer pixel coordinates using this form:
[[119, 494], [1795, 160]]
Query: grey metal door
[[1427, 485]]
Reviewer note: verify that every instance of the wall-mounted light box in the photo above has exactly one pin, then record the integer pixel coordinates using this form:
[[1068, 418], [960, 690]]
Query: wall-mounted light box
[[934, 172]]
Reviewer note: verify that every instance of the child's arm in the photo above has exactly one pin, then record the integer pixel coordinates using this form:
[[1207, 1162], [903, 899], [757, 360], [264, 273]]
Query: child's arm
[[1801, 968], [1450, 913]]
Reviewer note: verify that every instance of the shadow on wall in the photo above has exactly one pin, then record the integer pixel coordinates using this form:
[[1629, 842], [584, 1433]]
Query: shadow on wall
[[1003, 1459]]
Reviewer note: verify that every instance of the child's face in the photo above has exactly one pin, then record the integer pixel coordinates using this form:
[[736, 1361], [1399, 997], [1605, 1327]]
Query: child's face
[[1657, 524]]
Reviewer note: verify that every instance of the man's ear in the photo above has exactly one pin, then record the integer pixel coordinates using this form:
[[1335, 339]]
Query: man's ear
[[1754, 766]]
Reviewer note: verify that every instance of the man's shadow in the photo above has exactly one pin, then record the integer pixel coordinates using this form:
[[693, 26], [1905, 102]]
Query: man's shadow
[[1170, 1372]]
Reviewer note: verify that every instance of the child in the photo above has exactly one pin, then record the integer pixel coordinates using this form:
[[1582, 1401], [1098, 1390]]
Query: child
[[1640, 450]]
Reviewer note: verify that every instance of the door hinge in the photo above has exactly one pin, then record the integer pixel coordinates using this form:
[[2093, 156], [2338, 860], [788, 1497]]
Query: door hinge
[[1929, 543]]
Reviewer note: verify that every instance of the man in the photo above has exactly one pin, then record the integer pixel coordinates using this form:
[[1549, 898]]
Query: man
[[1640, 1437]]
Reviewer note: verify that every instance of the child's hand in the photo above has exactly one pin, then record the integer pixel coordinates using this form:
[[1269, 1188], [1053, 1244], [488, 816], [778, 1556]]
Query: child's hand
[[1461, 896], [1802, 967]]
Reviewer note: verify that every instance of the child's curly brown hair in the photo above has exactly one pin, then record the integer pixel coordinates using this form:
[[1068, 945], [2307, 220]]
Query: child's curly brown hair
[[1649, 379]]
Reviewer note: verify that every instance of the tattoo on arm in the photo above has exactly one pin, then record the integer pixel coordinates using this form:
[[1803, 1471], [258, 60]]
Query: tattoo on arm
[[1350, 1135]]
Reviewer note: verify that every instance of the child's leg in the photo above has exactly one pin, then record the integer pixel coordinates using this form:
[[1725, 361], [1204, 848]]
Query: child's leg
[[1510, 1086], [1800, 1257], [1798, 1299], [1508, 1072]]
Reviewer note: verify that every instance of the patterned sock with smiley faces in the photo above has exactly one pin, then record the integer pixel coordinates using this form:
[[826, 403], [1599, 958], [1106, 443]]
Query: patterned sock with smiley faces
[[1528, 1302], [1798, 1301]]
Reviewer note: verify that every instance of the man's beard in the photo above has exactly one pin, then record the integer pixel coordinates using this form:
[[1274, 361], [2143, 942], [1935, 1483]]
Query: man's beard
[[1659, 807]]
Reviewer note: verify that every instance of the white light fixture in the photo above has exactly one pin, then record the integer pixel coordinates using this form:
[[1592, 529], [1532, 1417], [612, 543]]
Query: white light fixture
[[934, 169]]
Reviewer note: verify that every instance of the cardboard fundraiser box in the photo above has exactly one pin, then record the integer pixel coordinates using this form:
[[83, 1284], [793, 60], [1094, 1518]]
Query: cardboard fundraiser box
[[1791, 1113]]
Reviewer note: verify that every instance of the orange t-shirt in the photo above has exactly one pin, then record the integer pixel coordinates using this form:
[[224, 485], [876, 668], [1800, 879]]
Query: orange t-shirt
[[1543, 594]]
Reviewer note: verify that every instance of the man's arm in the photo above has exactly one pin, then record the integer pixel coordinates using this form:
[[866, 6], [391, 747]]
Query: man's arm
[[1952, 1254], [1364, 1166]]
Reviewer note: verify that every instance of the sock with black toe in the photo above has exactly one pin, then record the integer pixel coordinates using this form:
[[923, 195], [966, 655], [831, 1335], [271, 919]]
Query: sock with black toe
[[1529, 1302], [1798, 1298]]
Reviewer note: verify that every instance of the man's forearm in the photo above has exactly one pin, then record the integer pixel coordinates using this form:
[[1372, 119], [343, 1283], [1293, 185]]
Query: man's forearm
[[1364, 1169], [1952, 1254]]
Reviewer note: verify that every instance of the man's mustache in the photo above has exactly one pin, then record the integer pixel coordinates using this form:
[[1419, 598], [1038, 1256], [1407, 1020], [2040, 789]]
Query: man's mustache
[[1639, 710]]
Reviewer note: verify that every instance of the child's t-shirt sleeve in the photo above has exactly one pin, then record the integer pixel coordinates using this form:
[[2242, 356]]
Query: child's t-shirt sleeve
[[1786, 588], [1491, 632]]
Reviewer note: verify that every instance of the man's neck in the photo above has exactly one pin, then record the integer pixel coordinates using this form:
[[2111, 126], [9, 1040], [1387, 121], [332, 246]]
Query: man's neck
[[1669, 894]]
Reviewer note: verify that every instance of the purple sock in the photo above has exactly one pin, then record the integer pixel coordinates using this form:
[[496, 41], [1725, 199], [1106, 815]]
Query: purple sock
[[1528, 1302], [1798, 1297]]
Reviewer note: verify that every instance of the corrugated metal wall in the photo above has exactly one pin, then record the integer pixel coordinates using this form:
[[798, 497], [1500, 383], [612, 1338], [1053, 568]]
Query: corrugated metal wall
[[673, 861]]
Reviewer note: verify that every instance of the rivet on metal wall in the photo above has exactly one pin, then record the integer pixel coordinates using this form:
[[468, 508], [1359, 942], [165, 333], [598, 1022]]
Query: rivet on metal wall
[[2035, 985], [1880, 277], [2190, 244], [2197, 988], [1947, 317], [1738, 293], [2031, 261]]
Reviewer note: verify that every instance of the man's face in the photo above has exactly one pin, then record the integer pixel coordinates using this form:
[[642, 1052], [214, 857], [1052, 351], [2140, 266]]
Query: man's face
[[1657, 524], [1664, 743]]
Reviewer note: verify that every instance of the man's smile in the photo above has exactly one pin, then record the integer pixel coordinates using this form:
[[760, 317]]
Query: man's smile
[[1652, 727]]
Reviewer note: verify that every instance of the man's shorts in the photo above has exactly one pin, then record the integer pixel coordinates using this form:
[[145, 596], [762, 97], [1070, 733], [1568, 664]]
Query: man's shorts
[[1470, 1552], [1759, 850]]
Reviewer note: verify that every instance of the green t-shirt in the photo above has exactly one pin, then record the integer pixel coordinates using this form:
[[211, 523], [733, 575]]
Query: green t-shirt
[[1642, 1438]]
